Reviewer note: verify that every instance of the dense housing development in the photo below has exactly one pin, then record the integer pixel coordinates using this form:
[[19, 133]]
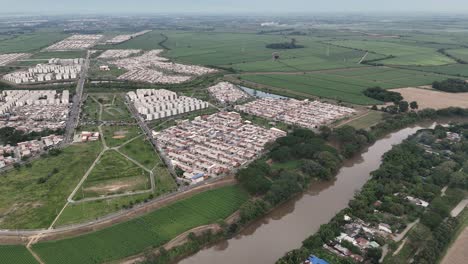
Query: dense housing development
[[34, 110], [155, 104], [12, 154], [307, 114], [152, 68], [214, 144], [118, 53], [122, 38], [76, 42], [11, 57], [226, 92], [55, 70]]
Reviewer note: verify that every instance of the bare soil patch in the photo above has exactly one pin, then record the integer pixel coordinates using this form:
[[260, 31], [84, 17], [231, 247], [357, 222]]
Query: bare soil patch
[[433, 99], [457, 254]]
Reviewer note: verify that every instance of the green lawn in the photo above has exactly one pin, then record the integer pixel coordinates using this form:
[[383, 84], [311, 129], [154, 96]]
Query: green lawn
[[151, 230], [141, 150], [16, 255], [87, 211], [114, 174], [405, 53], [30, 42], [25, 203], [345, 85], [117, 135], [365, 122]]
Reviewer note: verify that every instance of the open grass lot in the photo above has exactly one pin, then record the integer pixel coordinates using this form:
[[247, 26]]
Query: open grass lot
[[141, 151], [451, 69], [345, 85], [59, 54], [88, 211], [90, 109], [117, 135], [30, 42], [404, 53], [151, 230], [16, 254], [247, 52], [114, 174], [114, 108], [366, 121], [96, 73], [26, 203]]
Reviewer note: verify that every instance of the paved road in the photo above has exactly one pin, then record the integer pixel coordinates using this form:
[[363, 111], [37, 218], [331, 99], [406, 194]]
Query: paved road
[[74, 116]]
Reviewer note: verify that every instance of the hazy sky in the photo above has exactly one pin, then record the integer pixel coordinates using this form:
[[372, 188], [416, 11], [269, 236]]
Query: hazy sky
[[229, 6]]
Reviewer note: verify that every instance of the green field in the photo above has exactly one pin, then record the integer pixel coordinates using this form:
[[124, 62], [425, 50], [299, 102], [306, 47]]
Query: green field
[[151, 230], [16, 254], [247, 52], [452, 69], [90, 210], [114, 108], [117, 135], [25, 203], [461, 54], [141, 151], [114, 174], [59, 54], [345, 85], [405, 54], [30, 42], [365, 122]]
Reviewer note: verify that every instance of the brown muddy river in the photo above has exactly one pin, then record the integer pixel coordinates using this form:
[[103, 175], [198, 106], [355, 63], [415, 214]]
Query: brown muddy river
[[284, 229]]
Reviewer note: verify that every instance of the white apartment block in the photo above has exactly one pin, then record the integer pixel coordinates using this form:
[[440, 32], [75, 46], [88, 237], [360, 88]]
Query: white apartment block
[[12, 57], [122, 38], [47, 72], [118, 53], [76, 42], [155, 104]]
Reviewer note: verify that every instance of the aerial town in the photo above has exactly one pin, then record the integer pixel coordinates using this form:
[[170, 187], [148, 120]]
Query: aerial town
[[152, 68], [156, 104], [226, 92], [55, 70], [122, 38], [307, 114], [212, 145], [34, 110], [207, 132], [75, 42]]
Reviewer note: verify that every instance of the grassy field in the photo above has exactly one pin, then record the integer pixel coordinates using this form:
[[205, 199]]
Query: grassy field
[[87, 211], [459, 53], [114, 174], [247, 52], [345, 85], [90, 109], [141, 151], [16, 254], [96, 73], [30, 42], [365, 122], [151, 230], [404, 53], [452, 69], [26, 203], [114, 108], [117, 135]]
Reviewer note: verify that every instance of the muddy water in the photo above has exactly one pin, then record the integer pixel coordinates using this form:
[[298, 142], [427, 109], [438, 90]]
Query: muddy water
[[286, 227]]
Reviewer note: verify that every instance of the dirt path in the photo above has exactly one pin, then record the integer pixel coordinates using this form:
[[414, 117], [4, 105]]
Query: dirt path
[[457, 253], [459, 208]]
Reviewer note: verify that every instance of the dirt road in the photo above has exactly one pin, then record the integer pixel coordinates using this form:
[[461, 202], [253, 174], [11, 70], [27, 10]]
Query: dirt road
[[458, 254]]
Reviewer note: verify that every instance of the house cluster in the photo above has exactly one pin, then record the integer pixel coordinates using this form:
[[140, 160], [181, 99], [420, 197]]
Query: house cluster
[[34, 110], [226, 92], [359, 234], [315, 260], [118, 53], [12, 154], [54, 71], [87, 136], [413, 200], [155, 104], [307, 114], [214, 144], [122, 38], [152, 68], [76, 42], [11, 57]]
